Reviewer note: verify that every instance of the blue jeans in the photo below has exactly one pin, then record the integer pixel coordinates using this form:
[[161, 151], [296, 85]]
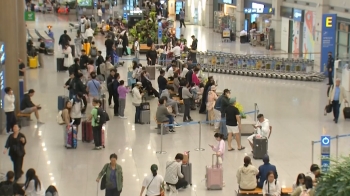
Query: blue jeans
[[171, 121], [223, 128], [336, 109], [138, 114]]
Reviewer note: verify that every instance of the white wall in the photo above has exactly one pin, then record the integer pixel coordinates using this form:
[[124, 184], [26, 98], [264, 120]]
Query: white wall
[[284, 34]]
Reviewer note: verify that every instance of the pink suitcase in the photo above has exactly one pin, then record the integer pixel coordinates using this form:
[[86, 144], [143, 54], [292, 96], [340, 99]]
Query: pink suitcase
[[214, 175]]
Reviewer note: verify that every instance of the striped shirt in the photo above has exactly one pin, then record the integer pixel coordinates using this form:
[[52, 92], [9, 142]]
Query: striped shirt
[[173, 172]]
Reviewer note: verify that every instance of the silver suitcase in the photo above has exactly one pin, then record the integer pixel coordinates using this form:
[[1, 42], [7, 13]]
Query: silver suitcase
[[186, 170], [152, 72], [145, 116]]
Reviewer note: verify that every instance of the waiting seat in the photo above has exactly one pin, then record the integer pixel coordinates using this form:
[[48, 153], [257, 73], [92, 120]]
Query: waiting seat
[[257, 191], [287, 191]]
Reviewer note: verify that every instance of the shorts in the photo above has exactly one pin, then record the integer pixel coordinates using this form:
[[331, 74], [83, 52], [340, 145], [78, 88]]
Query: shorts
[[27, 111], [232, 129], [76, 121]]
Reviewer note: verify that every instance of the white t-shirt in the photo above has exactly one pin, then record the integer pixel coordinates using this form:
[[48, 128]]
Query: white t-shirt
[[137, 46], [171, 72], [153, 185], [177, 51]]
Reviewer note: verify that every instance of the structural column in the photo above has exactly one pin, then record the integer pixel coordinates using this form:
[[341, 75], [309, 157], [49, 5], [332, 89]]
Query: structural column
[[322, 8], [22, 37], [14, 38], [208, 14], [276, 22], [240, 17]]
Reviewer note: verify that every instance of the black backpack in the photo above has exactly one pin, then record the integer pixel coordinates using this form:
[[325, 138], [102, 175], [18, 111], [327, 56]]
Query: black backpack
[[102, 116], [6, 189]]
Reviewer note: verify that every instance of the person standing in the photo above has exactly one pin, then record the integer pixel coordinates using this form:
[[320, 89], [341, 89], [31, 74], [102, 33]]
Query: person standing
[[152, 183], [330, 68], [96, 128], [114, 176], [182, 18], [137, 48], [224, 104], [193, 51], [152, 55], [162, 82], [42, 51], [115, 94], [187, 98], [77, 110], [336, 98], [99, 14], [68, 58], [136, 101], [93, 87], [233, 124], [9, 109], [122, 91], [220, 147], [110, 80], [22, 68], [89, 33], [64, 39], [125, 44], [78, 41], [16, 142], [212, 97]]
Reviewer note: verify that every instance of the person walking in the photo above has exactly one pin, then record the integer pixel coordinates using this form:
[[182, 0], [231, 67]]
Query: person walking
[[16, 142], [113, 174], [233, 125], [182, 18], [336, 97], [137, 48], [9, 109], [153, 184], [110, 80], [68, 58], [330, 68], [96, 128], [115, 94]]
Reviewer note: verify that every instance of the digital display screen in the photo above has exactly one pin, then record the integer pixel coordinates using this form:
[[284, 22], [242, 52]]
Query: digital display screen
[[85, 3], [2, 54], [178, 7]]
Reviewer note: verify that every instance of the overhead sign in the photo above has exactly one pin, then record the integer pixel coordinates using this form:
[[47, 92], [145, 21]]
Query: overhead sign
[[297, 15], [259, 10], [29, 16], [325, 152], [329, 23]]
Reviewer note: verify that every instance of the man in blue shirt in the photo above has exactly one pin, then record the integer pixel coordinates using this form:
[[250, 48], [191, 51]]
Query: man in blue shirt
[[264, 169]]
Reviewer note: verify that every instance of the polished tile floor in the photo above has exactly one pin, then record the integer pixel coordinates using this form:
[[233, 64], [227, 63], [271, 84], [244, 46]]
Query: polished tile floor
[[294, 108]]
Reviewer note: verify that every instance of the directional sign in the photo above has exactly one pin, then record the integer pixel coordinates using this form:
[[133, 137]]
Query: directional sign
[[259, 10], [160, 33], [325, 163], [325, 152], [125, 16]]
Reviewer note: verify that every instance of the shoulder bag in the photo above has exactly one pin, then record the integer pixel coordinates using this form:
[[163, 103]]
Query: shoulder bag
[[104, 180]]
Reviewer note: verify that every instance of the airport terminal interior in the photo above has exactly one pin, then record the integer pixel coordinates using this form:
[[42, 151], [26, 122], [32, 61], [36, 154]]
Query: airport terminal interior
[[294, 108]]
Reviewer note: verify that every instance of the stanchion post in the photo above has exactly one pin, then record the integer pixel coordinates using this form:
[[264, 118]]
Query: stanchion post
[[161, 140], [255, 109], [336, 146], [312, 152], [200, 138]]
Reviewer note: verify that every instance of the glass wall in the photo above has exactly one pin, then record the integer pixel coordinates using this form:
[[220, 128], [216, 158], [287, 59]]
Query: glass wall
[[342, 49]]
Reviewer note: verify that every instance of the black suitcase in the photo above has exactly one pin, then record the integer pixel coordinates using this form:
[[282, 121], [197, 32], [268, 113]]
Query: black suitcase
[[259, 147], [73, 50], [60, 65], [119, 51], [346, 111]]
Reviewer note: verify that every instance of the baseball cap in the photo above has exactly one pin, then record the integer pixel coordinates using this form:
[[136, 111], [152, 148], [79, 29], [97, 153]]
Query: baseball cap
[[154, 167]]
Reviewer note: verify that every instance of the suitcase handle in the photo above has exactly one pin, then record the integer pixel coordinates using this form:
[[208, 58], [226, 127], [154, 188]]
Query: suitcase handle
[[217, 160]]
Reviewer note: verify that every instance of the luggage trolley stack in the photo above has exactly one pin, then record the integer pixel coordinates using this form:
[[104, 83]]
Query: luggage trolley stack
[[260, 66]]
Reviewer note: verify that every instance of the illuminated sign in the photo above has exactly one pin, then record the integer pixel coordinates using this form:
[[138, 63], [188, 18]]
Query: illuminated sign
[[328, 40], [297, 15], [259, 10], [329, 22]]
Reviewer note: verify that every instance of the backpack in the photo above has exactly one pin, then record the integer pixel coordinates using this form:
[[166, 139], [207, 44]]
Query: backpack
[[93, 52], [305, 192], [102, 116], [6, 189], [59, 119]]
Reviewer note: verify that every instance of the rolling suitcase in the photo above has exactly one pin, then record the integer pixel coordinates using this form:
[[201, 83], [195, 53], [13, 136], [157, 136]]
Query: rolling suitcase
[[60, 65], [145, 116], [61, 102], [103, 138], [152, 72], [33, 62], [119, 51], [346, 111], [259, 147], [214, 175], [186, 170], [86, 128], [71, 137]]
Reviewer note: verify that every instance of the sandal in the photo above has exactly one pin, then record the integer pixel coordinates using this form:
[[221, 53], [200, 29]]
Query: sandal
[[232, 149], [242, 148]]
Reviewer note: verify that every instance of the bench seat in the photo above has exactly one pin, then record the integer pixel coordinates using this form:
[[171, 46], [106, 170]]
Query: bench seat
[[22, 115], [257, 191], [287, 190]]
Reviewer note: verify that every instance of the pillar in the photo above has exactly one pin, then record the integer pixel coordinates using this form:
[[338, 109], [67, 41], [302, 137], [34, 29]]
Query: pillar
[[322, 8], [276, 22], [209, 14], [14, 38], [240, 16]]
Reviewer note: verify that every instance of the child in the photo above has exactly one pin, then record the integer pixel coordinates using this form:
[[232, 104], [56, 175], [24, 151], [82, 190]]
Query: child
[[122, 91], [78, 41]]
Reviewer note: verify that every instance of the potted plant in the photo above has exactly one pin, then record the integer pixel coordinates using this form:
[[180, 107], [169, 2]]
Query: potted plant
[[336, 181]]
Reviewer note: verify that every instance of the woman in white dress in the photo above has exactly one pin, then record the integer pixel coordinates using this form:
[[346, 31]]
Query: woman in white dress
[[32, 185], [68, 58]]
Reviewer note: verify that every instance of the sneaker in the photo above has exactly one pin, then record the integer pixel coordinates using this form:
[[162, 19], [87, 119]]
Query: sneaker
[[96, 148], [177, 125], [100, 147], [171, 130], [122, 117]]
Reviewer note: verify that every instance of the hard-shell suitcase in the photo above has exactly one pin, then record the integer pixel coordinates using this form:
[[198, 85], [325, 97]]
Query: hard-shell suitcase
[[186, 170], [86, 128], [71, 137], [259, 147], [152, 72], [145, 106], [61, 102], [119, 51], [33, 62], [214, 175], [346, 111], [60, 65], [145, 116]]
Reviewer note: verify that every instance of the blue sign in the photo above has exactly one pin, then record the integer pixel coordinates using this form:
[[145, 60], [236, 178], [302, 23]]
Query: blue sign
[[160, 33], [297, 15], [259, 10], [329, 24], [160, 24], [125, 16], [325, 152]]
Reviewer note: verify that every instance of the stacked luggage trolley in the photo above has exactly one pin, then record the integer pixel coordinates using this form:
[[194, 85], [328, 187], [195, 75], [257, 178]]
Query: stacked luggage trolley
[[259, 66]]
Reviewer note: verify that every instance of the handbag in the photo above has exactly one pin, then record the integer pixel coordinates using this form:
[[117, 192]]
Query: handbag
[[328, 109], [104, 178]]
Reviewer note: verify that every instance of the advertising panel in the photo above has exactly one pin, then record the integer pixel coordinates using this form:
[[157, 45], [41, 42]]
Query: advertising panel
[[329, 23]]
